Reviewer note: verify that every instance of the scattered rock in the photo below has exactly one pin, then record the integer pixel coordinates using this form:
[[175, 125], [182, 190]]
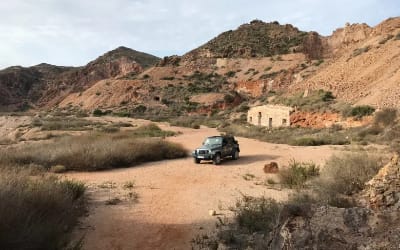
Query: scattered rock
[[271, 168]]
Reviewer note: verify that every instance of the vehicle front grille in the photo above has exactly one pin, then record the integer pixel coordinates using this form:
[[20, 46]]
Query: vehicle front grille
[[202, 152]]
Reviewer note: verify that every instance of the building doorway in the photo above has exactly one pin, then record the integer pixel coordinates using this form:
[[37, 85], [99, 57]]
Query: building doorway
[[259, 118], [270, 122]]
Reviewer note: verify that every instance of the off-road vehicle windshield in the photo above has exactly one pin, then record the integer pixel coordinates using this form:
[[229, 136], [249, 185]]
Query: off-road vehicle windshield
[[213, 141]]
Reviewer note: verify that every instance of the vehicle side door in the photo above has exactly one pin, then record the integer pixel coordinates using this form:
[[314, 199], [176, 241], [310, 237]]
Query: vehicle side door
[[227, 146]]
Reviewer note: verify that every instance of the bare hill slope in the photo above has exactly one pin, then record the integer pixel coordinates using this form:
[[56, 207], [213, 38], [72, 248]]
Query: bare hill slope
[[365, 65]]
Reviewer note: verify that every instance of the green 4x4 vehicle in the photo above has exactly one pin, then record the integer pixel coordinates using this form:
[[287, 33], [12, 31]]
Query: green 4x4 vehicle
[[216, 148]]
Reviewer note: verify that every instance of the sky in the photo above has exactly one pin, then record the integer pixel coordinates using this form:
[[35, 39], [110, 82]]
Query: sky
[[74, 32]]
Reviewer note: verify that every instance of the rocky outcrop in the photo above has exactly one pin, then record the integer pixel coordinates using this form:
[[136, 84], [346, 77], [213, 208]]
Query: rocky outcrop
[[312, 46], [321, 228], [383, 191], [254, 39], [254, 88], [169, 60], [313, 119]]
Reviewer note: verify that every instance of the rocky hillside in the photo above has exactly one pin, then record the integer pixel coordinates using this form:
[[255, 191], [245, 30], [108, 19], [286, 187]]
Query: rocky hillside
[[45, 85], [255, 39], [363, 67], [258, 60]]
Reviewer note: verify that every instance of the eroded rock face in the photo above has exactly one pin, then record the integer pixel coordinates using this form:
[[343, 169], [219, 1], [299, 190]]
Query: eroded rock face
[[322, 228], [383, 191]]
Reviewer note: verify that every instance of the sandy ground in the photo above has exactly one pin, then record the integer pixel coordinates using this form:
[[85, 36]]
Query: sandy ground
[[175, 196]]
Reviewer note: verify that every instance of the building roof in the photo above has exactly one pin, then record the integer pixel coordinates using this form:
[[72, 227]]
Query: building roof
[[270, 106]]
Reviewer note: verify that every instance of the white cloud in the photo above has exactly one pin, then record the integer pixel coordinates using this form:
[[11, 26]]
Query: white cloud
[[73, 32]]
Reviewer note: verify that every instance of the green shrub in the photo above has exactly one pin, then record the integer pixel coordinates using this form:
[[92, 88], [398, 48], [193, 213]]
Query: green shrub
[[362, 110], [345, 175], [140, 109], [98, 112], [228, 98], [151, 130], [37, 213], [230, 74], [256, 214], [298, 173]]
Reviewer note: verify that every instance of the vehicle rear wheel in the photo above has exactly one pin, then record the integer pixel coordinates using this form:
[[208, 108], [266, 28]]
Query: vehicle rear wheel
[[197, 161], [235, 155], [217, 159]]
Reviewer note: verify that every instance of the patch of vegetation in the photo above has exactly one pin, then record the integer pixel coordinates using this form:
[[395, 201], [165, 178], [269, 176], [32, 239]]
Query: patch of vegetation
[[268, 68], [95, 151], [113, 201], [298, 173], [289, 135], [37, 213], [385, 39], [229, 98], [256, 214], [64, 123], [269, 75], [319, 62], [320, 100], [129, 184], [196, 121], [344, 175], [385, 117], [361, 111], [359, 51], [151, 130], [99, 112], [248, 177], [168, 78], [230, 74]]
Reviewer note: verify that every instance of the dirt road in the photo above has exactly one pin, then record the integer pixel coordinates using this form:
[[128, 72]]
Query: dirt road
[[174, 197]]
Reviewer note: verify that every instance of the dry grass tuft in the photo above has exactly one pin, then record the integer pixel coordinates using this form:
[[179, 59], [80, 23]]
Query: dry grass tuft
[[37, 212]]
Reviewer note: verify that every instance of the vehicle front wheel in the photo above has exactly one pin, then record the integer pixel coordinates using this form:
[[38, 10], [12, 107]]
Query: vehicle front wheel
[[217, 159], [197, 161], [235, 155]]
